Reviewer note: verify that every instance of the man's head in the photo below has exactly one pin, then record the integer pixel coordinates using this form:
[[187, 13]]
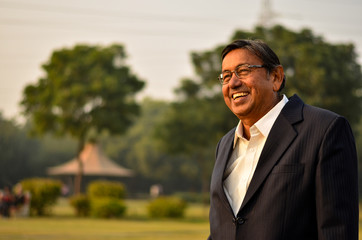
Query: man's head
[[252, 78]]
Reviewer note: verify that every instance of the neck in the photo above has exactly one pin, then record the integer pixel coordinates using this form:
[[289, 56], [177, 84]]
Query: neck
[[247, 123], [246, 131]]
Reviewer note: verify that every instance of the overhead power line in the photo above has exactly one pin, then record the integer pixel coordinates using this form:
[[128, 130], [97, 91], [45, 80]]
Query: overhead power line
[[104, 13]]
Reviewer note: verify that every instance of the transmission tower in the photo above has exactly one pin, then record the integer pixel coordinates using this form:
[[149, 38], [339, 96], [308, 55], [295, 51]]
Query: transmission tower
[[267, 15]]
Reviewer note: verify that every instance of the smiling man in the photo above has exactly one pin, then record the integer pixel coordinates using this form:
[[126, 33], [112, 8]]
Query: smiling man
[[288, 170]]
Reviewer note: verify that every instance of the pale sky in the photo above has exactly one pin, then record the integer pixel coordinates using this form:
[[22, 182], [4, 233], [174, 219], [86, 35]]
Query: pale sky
[[158, 35]]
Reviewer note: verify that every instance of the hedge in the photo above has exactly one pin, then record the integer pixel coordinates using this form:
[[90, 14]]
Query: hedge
[[167, 207], [109, 189], [44, 194]]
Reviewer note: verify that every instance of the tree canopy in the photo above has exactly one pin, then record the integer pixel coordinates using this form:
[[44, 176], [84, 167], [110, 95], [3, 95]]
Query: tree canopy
[[86, 87]]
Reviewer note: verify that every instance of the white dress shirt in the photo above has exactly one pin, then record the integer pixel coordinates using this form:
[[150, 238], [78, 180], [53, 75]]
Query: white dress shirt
[[245, 156]]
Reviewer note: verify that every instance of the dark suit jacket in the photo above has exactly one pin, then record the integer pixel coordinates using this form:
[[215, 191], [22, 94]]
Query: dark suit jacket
[[304, 186]]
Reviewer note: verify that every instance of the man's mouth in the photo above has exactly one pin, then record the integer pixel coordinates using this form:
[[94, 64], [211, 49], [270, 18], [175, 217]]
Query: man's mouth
[[238, 95]]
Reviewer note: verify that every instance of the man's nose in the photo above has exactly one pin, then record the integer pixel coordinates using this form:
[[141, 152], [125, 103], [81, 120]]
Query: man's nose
[[234, 81]]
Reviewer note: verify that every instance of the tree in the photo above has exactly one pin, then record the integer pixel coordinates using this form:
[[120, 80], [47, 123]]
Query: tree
[[17, 153], [86, 88], [192, 127], [138, 150], [323, 74]]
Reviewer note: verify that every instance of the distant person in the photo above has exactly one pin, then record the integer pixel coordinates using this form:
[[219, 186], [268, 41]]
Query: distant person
[[287, 171], [21, 205], [6, 202], [156, 190], [19, 197]]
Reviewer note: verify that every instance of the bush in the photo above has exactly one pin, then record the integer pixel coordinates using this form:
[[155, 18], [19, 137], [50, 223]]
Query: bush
[[44, 193], [108, 208], [192, 197], [169, 207], [81, 205], [109, 189], [106, 199]]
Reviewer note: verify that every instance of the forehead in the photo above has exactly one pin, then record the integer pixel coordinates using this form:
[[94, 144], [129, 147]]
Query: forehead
[[237, 57]]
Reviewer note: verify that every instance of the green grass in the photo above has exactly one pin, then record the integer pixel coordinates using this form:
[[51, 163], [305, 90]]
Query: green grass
[[136, 225], [78, 229]]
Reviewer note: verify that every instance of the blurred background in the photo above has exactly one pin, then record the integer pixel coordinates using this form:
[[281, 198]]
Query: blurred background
[[127, 91], [112, 108]]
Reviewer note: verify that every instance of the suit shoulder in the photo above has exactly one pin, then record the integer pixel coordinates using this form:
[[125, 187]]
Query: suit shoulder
[[313, 110], [307, 111], [296, 111], [319, 114]]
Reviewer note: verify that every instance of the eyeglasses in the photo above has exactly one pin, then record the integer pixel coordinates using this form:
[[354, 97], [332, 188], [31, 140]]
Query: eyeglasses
[[240, 71]]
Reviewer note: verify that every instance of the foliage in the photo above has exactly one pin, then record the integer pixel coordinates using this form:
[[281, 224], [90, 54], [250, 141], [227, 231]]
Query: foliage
[[323, 74], [190, 130], [81, 205], [108, 208], [141, 152], [86, 87], [106, 189], [44, 193], [18, 153], [106, 198], [167, 207]]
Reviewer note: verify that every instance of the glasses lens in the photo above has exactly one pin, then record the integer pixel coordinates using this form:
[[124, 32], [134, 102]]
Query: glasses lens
[[242, 71], [226, 76], [220, 78]]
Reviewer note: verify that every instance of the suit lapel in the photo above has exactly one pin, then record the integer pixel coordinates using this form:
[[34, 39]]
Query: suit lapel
[[280, 137], [225, 149]]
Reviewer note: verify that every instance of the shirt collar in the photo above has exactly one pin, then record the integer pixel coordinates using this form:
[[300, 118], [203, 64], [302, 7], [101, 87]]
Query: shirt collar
[[265, 123]]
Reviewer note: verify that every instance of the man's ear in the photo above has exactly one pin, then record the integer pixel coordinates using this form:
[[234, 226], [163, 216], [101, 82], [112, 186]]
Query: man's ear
[[277, 76]]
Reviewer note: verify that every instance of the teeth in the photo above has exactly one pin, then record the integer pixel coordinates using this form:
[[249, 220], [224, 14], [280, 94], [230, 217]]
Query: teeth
[[236, 95]]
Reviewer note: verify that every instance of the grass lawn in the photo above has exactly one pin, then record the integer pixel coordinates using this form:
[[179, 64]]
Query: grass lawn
[[136, 225]]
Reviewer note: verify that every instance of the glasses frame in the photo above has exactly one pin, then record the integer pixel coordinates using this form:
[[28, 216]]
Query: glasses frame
[[235, 70]]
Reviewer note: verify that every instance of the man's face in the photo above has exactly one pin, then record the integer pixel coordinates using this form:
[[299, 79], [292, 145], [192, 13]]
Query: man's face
[[251, 97]]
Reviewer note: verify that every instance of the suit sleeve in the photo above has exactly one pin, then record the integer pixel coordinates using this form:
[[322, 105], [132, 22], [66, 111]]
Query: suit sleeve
[[336, 184]]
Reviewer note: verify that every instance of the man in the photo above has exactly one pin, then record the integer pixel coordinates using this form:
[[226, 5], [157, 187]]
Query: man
[[288, 170]]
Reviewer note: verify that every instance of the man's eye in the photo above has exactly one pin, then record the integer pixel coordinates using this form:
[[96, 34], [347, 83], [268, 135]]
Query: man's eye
[[226, 76], [242, 71]]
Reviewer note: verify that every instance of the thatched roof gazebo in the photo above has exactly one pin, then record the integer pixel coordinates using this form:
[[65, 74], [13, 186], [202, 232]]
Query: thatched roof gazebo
[[94, 163]]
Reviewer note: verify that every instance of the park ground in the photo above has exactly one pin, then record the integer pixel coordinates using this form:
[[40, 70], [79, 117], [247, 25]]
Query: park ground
[[136, 225]]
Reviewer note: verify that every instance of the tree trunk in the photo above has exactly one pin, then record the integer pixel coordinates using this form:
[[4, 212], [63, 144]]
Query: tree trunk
[[79, 175]]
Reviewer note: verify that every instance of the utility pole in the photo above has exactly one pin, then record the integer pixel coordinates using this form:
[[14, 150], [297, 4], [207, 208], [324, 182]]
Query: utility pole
[[267, 15]]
